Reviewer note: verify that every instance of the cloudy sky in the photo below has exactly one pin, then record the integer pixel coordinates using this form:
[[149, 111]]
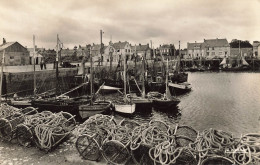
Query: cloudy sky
[[78, 22]]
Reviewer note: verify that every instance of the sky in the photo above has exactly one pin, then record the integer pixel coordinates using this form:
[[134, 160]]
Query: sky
[[78, 22]]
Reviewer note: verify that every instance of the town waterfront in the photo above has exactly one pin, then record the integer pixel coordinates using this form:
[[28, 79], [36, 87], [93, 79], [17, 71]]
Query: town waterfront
[[220, 100]]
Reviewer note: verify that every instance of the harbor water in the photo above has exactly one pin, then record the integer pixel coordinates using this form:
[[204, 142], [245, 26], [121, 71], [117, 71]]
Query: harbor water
[[220, 100]]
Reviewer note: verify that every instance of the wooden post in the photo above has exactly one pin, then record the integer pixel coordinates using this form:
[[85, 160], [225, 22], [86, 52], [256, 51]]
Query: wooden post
[[56, 65], [34, 73], [91, 78], [2, 74]]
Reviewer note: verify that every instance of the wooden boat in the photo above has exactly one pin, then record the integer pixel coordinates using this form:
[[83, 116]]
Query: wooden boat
[[165, 102], [61, 102], [98, 107], [127, 107], [180, 88], [179, 84]]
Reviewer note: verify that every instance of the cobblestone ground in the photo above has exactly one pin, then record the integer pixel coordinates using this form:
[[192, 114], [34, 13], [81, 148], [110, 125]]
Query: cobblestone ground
[[11, 153]]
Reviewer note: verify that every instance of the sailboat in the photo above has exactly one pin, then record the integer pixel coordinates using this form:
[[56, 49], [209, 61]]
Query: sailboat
[[142, 102], [242, 65], [97, 107], [164, 102], [127, 106], [179, 79], [61, 102]]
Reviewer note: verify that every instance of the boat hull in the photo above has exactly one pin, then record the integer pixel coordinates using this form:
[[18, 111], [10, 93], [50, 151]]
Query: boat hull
[[125, 108], [98, 107], [57, 105], [165, 105], [179, 88]]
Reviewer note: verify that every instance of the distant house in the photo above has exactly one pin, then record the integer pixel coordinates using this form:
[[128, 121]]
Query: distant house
[[196, 50], [217, 48], [143, 50], [209, 48], [15, 53], [256, 49], [110, 51], [38, 55], [123, 49], [167, 51]]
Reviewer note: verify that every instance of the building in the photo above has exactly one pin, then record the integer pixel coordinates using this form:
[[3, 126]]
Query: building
[[167, 51], [256, 49], [110, 52], [15, 53], [210, 48], [123, 49], [217, 48], [143, 50], [38, 55], [196, 50]]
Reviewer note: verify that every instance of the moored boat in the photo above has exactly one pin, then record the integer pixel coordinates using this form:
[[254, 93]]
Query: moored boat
[[98, 107]]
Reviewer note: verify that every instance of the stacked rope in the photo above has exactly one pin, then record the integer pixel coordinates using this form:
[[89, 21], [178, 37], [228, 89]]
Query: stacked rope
[[159, 143], [25, 130], [8, 125], [91, 134], [116, 147], [54, 130], [7, 110]]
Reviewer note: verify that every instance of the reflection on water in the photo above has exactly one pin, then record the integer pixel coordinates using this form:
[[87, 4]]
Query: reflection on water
[[226, 101]]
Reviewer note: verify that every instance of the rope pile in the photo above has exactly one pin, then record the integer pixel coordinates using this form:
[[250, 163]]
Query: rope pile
[[7, 110], [91, 135], [55, 128], [12, 119], [159, 143], [25, 130]]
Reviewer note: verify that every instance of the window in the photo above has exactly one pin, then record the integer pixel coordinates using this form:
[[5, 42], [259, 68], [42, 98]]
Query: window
[[11, 57], [213, 53], [220, 53], [126, 50], [212, 48]]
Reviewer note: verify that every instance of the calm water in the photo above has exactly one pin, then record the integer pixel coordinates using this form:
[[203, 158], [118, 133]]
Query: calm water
[[226, 101]]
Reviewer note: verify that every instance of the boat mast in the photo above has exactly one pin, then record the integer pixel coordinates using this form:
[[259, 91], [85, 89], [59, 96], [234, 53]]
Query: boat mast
[[57, 61], [91, 79], [2, 74], [125, 76], [179, 58], [143, 75], [34, 73]]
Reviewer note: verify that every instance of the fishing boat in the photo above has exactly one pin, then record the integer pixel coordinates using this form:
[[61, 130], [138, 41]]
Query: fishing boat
[[164, 102], [61, 102], [242, 65], [94, 107], [127, 106], [178, 81]]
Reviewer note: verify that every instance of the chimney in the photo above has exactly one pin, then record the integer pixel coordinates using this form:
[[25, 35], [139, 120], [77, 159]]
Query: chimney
[[4, 41]]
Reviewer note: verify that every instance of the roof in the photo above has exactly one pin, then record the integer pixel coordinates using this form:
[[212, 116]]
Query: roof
[[216, 42], [140, 47], [95, 47], [6, 45], [167, 46], [193, 45], [256, 44], [120, 45]]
